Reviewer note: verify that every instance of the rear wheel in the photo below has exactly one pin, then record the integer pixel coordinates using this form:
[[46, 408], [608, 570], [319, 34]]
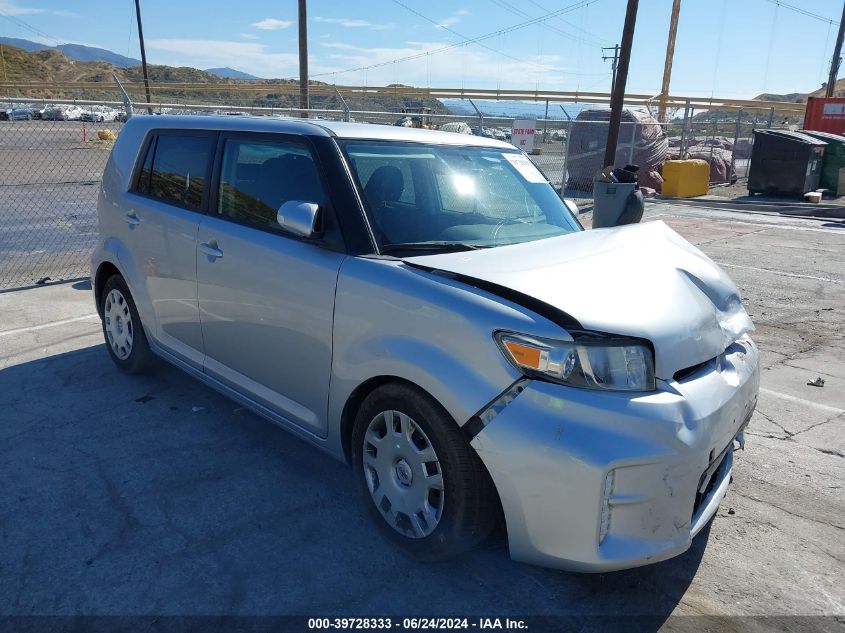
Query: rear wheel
[[422, 483], [125, 339]]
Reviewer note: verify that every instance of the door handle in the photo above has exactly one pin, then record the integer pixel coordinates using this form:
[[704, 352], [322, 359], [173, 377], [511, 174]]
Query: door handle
[[132, 219], [210, 248]]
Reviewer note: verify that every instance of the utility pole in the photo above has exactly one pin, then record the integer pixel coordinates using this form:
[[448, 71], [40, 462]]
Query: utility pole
[[667, 66], [303, 59], [615, 58], [143, 55], [834, 63], [617, 99]]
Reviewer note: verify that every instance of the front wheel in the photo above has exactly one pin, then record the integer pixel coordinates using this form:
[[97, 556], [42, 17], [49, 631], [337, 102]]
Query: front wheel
[[125, 339], [422, 483]]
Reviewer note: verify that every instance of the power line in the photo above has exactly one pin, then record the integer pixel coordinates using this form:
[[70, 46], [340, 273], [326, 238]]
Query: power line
[[573, 7], [463, 37], [802, 11], [599, 39], [516, 11], [466, 39], [29, 27]]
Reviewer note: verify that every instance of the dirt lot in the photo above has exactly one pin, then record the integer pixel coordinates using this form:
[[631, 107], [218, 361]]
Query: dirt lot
[[154, 495]]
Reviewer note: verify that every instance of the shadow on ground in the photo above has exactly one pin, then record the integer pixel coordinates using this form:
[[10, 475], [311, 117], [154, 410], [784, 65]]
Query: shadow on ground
[[131, 495]]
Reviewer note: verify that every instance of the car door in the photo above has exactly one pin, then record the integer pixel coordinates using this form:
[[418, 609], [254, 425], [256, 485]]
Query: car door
[[163, 215], [266, 297]]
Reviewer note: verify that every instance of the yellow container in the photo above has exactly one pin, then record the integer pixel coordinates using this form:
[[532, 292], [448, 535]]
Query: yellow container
[[685, 178]]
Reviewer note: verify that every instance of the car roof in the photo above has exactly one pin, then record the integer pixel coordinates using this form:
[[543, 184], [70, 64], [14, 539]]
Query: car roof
[[315, 127]]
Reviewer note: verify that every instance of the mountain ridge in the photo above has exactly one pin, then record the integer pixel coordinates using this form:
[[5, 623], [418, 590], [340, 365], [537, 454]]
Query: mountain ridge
[[231, 73], [76, 52], [50, 65]]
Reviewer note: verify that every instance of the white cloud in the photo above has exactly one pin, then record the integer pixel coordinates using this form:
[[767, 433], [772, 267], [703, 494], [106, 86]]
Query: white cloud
[[463, 66], [252, 57], [272, 24], [355, 23], [249, 36], [453, 19], [11, 7]]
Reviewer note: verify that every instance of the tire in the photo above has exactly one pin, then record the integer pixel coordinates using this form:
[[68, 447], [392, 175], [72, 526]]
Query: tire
[[449, 521], [123, 332]]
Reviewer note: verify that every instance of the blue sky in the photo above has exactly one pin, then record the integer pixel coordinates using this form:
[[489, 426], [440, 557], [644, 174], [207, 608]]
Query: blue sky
[[731, 48]]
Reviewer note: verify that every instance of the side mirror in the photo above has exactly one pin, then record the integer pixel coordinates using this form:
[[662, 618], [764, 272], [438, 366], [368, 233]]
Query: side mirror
[[299, 217]]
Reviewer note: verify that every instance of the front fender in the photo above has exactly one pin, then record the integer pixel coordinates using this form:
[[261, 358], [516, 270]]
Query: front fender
[[395, 320]]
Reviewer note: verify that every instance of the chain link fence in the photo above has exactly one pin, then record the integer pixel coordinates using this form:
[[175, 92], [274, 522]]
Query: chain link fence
[[52, 156], [50, 171]]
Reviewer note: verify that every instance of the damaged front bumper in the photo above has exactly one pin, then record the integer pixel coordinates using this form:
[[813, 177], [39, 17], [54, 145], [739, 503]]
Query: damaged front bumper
[[595, 482]]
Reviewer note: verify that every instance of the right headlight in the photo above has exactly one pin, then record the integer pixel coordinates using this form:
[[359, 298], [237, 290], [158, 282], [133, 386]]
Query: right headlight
[[591, 361]]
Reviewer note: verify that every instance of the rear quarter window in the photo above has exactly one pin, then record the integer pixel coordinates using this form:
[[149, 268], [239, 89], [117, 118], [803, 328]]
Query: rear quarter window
[[175, 168]]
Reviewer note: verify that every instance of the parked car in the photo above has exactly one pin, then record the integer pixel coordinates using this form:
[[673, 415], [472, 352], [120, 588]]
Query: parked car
[[62, 113], [424, 306], [98, 114], [53, 113], [17, 114]]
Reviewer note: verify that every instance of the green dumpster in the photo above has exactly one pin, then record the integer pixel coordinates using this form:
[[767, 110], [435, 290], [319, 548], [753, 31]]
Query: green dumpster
[[832, 161]]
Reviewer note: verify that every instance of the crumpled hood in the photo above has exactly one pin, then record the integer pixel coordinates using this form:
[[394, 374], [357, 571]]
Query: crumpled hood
[[641, 280]]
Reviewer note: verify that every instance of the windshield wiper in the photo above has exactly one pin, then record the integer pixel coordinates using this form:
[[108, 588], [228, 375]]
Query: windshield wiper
[[436, 247]]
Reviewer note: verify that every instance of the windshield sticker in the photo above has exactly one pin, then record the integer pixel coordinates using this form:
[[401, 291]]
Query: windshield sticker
[[525, 167]]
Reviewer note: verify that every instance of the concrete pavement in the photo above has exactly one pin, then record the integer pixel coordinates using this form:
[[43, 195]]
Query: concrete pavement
[[155, 495]]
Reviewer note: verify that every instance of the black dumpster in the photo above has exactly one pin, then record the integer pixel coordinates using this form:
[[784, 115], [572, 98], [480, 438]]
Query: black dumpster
[[785, 163], [833, 160]]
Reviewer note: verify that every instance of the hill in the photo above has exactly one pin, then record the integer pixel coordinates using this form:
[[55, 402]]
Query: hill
[[231, 73], [52, 65], [801, 97], [75, 52], [792, 97]]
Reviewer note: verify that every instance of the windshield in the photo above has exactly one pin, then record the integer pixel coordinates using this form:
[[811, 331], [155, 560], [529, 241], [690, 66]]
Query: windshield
[[443, 197]]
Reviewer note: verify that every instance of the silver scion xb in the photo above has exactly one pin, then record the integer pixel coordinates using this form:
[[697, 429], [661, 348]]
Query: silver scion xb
[[423, 305]]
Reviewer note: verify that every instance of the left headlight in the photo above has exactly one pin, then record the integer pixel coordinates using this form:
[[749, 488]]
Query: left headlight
[[591, 361]]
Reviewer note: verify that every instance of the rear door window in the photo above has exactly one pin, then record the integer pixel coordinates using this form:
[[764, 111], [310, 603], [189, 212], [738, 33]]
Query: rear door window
[[180, 168], [258, 177]]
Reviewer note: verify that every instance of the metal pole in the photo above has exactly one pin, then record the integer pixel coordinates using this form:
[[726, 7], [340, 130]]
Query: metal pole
[[566, 150], [667, 66], [736, 140], [618, 98], [303, 59], [564, 176], [834, 63], [771, 118], [713, 141], [684, 129], [344, 105], [613, 65], [615, 68], [127, 101], [546, 122], [480, 118], [143, 55]]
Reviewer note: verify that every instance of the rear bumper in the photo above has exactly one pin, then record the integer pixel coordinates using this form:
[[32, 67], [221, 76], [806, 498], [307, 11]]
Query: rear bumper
[[598, 482]]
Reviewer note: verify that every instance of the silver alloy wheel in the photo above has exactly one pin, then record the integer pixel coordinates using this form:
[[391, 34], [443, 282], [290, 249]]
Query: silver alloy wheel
[[403, 474], [118, 321]]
